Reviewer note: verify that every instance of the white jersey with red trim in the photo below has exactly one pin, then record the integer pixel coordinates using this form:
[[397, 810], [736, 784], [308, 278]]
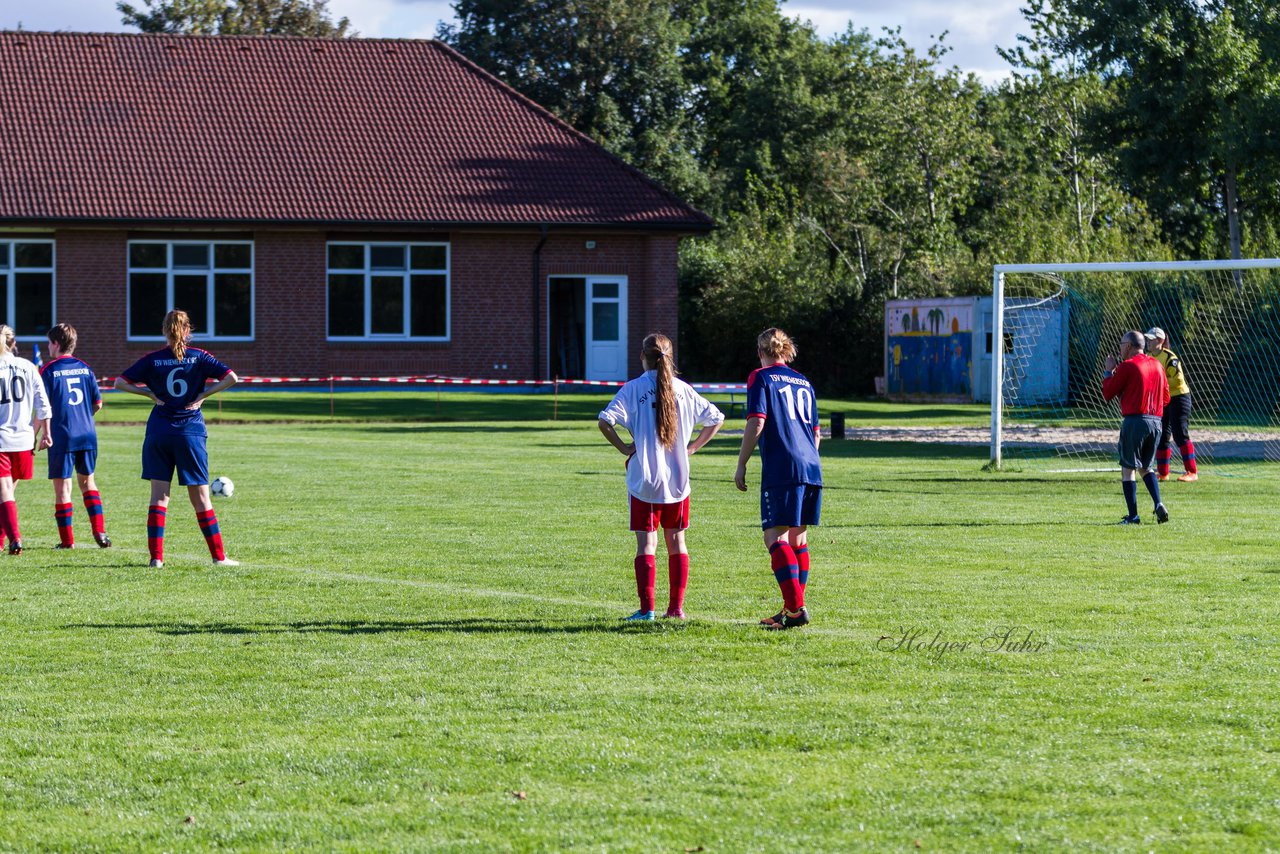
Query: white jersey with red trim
[[22, 395], [656, 474]]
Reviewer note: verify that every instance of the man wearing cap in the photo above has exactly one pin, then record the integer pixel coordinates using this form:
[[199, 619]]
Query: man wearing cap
[[1138, 381], [1177, 415]]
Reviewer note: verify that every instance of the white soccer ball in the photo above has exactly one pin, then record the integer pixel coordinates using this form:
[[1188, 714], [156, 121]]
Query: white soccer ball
[[222, 486]]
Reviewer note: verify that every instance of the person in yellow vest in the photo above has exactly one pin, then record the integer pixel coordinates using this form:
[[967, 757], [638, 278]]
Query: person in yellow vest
[[1177, 414]]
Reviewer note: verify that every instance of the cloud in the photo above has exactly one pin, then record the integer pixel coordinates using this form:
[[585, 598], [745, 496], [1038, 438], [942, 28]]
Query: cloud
[[394, 19], [974, 29], [54, 15]]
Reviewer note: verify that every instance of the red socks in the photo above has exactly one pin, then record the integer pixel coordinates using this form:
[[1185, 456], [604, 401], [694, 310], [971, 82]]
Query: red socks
[[802, 560], [1189, 457], [9, 520], [93, 506], [212, 537], [786, 571], [155, 531], [646, 575], [678, 575], [62, 512]]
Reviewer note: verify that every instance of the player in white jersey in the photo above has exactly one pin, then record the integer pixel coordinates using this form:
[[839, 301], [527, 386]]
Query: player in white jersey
[[660, 412], [24, 420]]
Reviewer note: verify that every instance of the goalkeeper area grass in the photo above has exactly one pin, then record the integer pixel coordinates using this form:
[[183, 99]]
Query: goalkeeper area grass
[[422, 651]]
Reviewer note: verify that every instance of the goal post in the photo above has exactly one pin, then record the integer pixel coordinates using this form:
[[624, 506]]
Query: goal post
[[1053, 325]]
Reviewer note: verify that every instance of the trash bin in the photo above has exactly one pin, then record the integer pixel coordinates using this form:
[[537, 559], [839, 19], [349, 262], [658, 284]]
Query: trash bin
[[837, 425]]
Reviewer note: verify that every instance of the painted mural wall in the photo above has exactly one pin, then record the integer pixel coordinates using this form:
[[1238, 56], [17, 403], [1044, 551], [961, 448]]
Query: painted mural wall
[[929, 347]]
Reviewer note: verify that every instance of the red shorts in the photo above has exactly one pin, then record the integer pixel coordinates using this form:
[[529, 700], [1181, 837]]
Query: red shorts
[[648, 517], [16, 464]]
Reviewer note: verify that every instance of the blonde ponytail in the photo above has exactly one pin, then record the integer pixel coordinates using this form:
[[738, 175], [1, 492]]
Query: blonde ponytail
[[776, 344], [177, 329], [8, 341], [656, 351]]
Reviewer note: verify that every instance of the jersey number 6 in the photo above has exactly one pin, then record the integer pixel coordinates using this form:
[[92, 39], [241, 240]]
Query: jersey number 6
[[175, 384]]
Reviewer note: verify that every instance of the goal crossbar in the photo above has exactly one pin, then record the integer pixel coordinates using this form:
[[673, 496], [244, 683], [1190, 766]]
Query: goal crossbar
[[998, 313]]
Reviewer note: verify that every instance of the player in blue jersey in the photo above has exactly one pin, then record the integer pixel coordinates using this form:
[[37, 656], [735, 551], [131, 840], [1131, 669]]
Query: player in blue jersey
[[782, 417], [174, 380], [73, 394]]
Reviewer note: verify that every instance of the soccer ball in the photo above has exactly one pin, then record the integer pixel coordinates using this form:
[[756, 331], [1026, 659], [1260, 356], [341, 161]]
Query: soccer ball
[[222, 486]]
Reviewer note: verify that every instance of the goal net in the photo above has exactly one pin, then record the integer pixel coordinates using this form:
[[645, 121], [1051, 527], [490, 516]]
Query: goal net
[[1058, 323]]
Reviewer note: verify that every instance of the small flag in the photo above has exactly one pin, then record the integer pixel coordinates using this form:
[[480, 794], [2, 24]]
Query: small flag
[[39, 362]]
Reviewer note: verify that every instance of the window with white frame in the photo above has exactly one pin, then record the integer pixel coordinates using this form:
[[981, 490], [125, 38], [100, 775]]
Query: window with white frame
[[26, 279], [388, 291], [211, 280]]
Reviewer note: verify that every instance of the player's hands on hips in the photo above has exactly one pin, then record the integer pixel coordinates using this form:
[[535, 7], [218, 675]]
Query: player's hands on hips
[[1110, 363], [195, 404], [740, 478]]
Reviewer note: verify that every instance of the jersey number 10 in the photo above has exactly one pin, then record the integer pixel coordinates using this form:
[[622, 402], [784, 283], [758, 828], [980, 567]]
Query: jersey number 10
[[18, 390], [802, 402]]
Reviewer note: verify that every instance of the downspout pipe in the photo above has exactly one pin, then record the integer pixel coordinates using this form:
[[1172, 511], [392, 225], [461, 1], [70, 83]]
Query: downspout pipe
[[537, 301]]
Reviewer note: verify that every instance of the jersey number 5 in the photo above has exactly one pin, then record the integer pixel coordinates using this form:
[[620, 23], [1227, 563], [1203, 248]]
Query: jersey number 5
[[75, 392], [803, 402]]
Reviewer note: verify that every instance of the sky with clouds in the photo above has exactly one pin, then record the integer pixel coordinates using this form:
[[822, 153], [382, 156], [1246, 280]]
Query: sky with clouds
[[974, 29]]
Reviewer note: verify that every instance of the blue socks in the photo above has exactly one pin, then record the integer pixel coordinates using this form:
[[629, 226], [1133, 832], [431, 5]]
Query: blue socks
[[1153, 486], [1131, 496]]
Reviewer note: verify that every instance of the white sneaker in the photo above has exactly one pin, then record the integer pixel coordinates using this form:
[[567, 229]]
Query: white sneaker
[[156, 564], [226, 561]]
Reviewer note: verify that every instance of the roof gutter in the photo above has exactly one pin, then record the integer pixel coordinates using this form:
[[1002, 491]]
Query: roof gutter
[[33, 222], [537, 301]]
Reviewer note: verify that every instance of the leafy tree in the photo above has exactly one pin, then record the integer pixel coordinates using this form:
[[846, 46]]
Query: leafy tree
[[905, 167], [1196, 83], [610, 68], [236, 17], [1049, 193], [763, 90]]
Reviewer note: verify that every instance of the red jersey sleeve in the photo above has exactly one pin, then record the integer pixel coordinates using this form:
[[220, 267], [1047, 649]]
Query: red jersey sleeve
[[1114, 384]]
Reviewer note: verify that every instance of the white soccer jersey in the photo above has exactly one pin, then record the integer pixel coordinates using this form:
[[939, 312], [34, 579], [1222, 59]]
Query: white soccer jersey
[[21, 393], [655, 474]]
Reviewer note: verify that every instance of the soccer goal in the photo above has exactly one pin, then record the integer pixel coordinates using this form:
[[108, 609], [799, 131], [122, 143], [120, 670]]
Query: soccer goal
[[1055, 324]]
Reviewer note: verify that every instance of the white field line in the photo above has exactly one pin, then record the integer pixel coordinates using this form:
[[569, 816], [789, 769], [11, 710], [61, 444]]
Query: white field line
[[593, 604]]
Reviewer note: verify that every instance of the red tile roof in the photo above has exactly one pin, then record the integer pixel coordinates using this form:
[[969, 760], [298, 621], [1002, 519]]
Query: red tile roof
[[243, 130]]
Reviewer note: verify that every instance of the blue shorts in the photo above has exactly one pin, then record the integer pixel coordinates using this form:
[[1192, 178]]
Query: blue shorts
[[61, 465], [1139, 437], [790, 506], [162, 454]]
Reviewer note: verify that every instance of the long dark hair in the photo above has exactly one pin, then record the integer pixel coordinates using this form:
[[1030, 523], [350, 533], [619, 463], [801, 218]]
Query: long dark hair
[[656, 350]]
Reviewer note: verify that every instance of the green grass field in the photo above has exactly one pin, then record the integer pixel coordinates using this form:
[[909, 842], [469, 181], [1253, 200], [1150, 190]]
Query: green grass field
[[422, 651]]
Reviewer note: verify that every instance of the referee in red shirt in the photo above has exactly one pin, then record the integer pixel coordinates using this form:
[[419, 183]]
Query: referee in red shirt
[[1139, 381]]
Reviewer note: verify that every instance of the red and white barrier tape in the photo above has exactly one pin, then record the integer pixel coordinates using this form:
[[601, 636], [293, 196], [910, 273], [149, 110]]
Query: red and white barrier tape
[[435, 379]]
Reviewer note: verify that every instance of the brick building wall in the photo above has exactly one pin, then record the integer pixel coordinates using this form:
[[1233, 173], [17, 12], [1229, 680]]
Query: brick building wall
[[492, 312]]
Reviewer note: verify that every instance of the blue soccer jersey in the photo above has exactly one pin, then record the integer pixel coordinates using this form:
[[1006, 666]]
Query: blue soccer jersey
[[176, 383], [73, 394], [784, 401]]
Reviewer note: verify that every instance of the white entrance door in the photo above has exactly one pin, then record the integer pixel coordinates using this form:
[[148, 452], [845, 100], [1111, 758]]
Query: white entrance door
[[606, 328]]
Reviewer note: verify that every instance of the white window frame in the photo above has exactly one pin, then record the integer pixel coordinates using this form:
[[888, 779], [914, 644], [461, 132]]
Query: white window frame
[[10, 306], [170, 271], [407, 273]]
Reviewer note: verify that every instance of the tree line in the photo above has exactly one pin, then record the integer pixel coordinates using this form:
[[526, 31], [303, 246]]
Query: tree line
[[849, 170]]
